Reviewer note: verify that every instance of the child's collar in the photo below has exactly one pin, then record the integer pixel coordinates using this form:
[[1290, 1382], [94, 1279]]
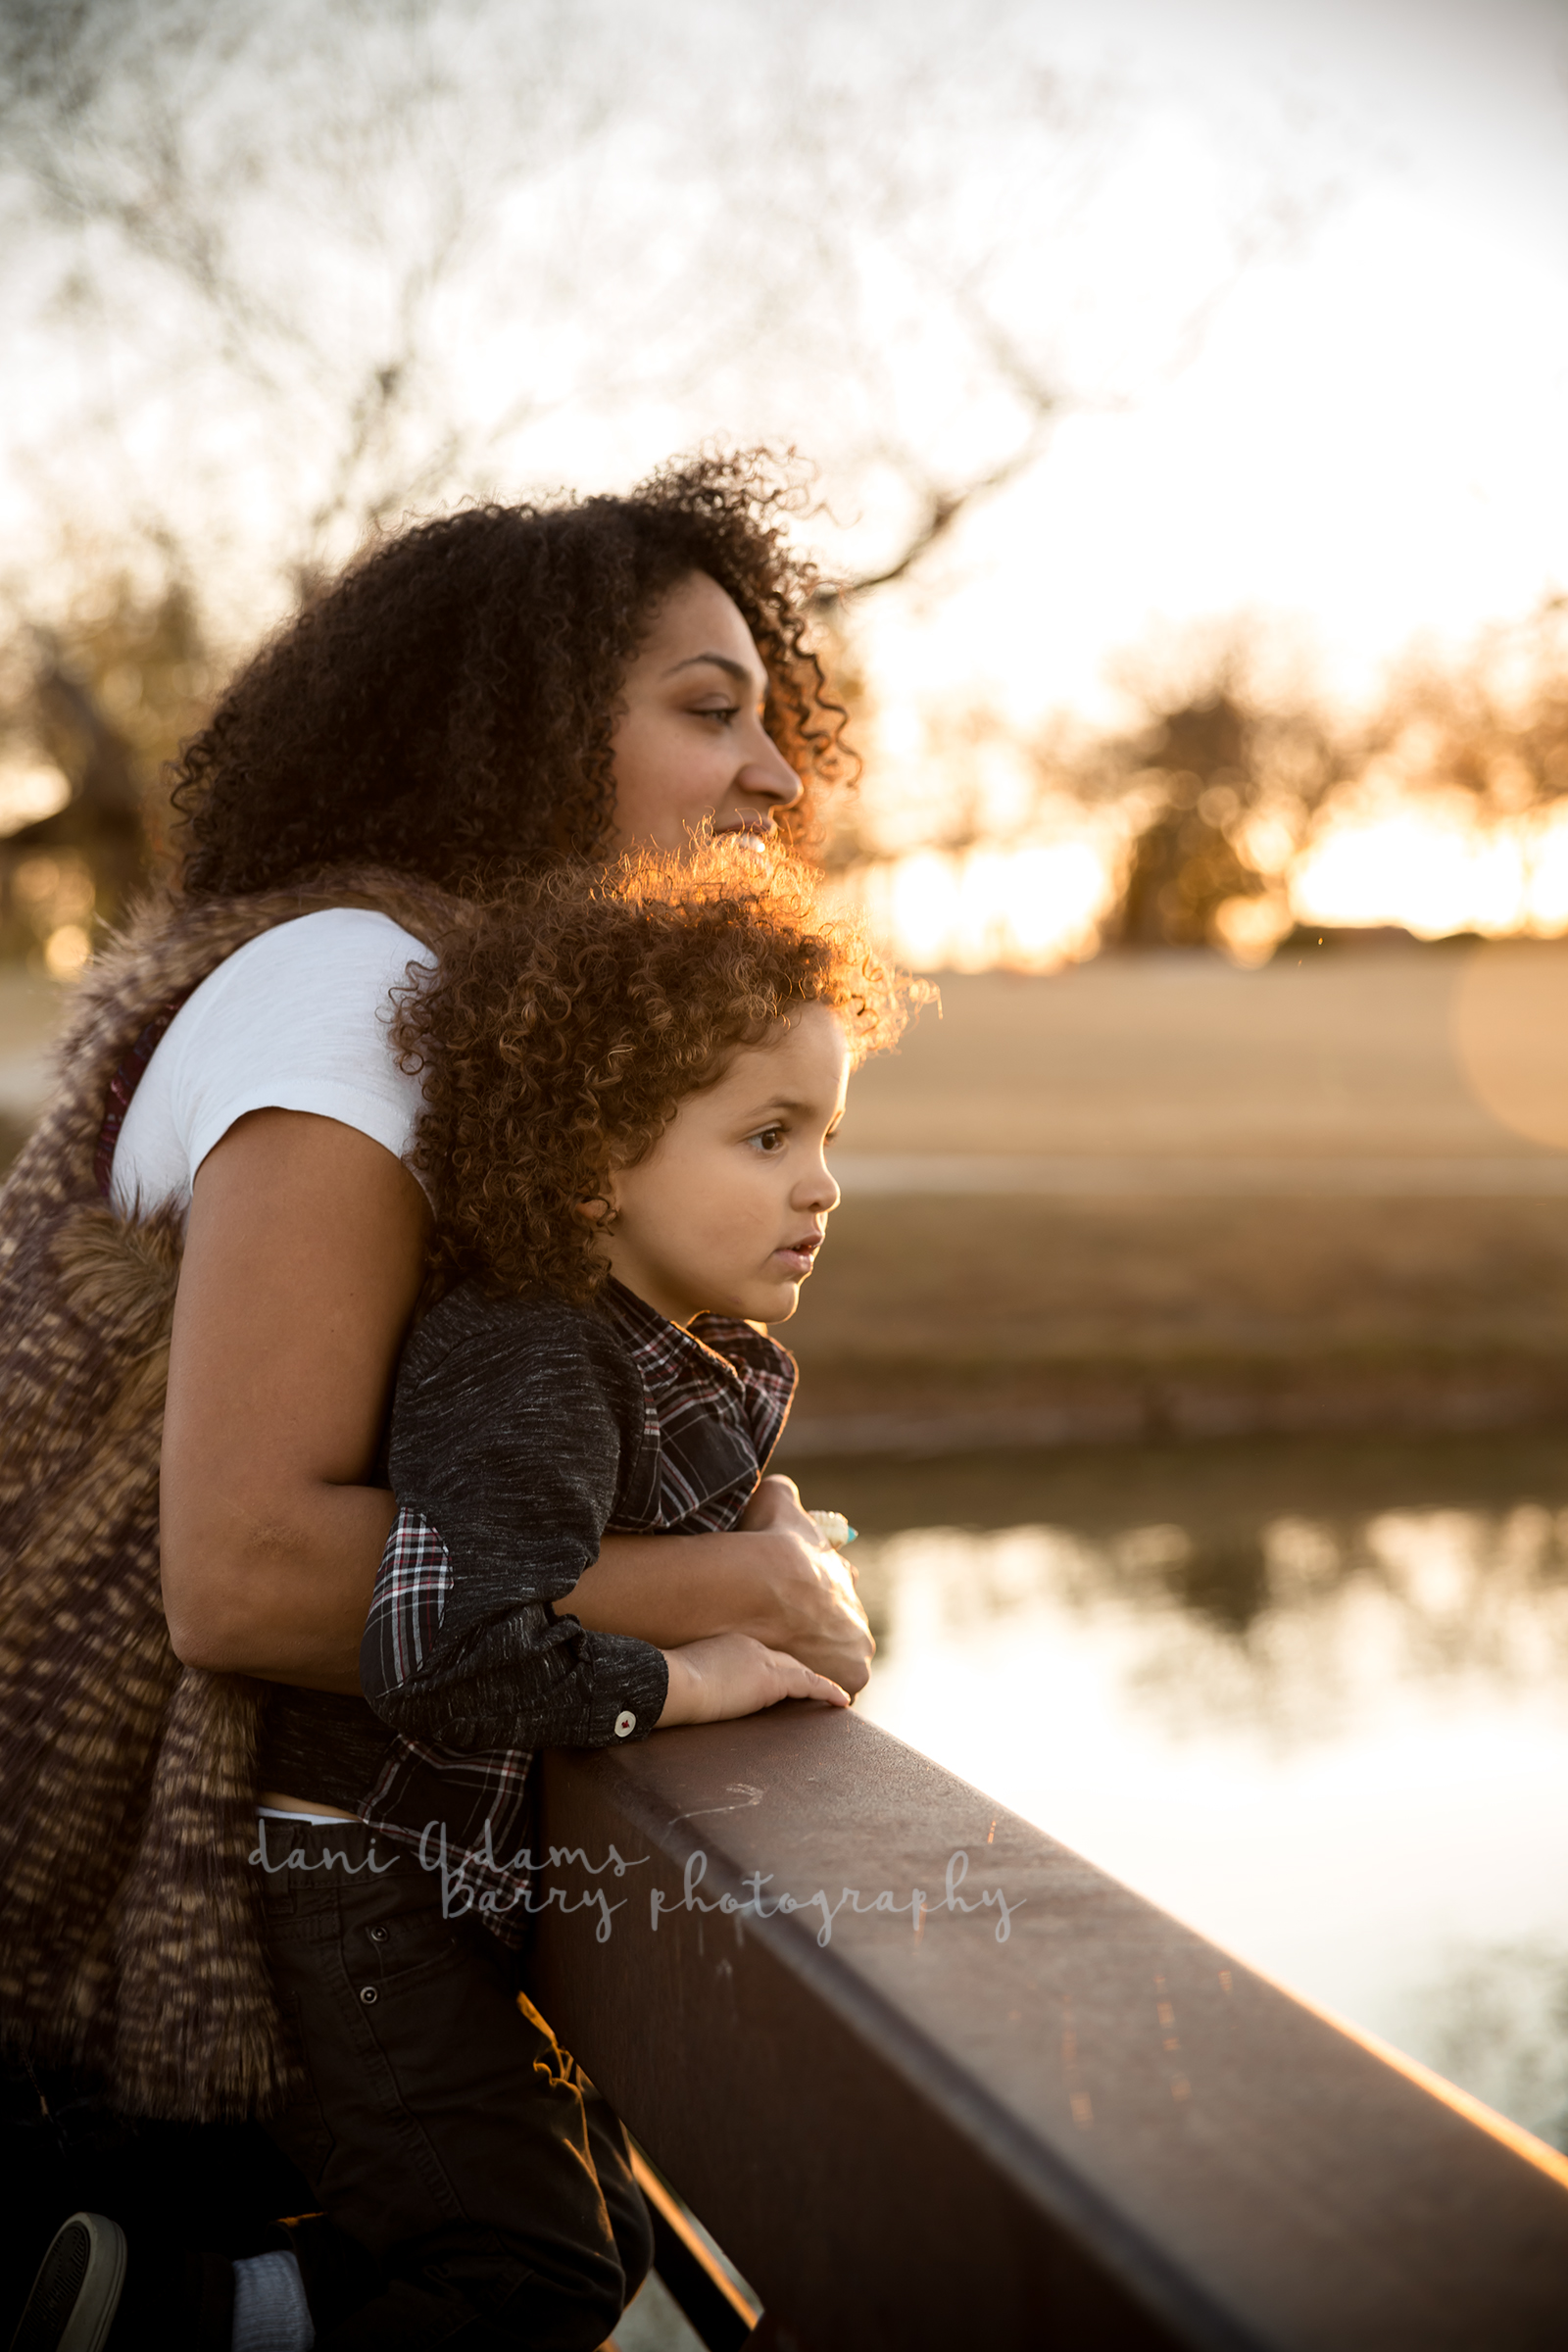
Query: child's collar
[[656, 1331], [667, 1347]]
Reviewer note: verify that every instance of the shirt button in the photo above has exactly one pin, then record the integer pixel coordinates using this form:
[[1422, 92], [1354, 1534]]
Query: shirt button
[[378, 1934], [369, 1995], [625, 1724]]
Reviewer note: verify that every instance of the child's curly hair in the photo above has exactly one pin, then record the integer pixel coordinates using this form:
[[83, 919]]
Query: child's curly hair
[[572, 1014]]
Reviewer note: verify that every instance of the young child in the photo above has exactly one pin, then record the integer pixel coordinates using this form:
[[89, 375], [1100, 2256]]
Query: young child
[[630, 1088]]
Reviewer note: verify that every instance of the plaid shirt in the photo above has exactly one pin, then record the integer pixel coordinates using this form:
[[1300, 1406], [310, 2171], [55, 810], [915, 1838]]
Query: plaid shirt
[[524, 1431]]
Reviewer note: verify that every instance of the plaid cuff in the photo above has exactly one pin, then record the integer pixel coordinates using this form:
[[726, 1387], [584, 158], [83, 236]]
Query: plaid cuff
[[411, 1588]]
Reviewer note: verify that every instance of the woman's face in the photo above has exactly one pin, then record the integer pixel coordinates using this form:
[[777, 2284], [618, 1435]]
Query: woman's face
[[691, 753]]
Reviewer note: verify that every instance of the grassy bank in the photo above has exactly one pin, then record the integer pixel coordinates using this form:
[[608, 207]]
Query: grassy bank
[[1048, 1320]]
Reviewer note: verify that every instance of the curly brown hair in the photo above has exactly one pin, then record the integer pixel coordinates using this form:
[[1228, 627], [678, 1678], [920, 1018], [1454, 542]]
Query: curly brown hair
[[446, 706], [574, 1012]]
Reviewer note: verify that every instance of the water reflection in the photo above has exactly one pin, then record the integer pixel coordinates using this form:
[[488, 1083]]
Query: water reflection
[[1497, 2022], [1299, 1630], [1313, 1699]]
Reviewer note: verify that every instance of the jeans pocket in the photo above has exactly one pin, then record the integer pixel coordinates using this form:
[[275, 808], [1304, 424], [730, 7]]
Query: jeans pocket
[[400, 1947]]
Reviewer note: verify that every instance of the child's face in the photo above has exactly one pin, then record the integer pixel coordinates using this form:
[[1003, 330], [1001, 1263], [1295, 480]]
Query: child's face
[[726, 1213]]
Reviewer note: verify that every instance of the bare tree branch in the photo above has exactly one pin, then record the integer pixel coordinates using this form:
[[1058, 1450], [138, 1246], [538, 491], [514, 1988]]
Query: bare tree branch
[[386, 246], [940, 510]]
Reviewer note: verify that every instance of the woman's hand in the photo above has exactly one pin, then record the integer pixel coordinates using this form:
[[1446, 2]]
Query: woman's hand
[[729, 1674], [777, 1504], [773, 1580], [824, 1622]]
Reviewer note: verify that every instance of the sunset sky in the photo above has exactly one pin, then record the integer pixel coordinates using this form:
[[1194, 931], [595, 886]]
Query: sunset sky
[[1362, 455], [1367, 444]]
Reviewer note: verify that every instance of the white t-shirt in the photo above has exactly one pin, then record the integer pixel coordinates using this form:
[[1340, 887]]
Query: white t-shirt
[[297, 1019]]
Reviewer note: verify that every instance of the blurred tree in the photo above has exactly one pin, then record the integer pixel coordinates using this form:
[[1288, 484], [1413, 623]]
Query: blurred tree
[[351, 259], [1227, 781], [1490, 726], [1221, 787], [1187, 863], [105, 700], [937, 507]]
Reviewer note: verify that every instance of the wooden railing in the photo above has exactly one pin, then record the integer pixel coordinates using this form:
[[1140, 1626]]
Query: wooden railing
[[1030, 2109]]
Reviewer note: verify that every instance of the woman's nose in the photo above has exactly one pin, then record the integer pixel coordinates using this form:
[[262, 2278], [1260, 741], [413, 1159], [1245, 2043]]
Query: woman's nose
[[768, 774]]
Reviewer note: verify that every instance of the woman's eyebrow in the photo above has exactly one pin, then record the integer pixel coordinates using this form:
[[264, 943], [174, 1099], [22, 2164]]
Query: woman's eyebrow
[[736, 669]]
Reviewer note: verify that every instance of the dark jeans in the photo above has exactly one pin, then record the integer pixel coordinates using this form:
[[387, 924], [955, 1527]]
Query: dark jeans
[[442, 2127]]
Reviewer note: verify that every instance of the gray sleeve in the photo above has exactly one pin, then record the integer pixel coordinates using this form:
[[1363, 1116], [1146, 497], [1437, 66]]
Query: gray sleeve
[[507, 1441]]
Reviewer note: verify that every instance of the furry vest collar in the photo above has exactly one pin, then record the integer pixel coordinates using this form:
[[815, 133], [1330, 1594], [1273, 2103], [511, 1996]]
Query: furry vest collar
[[127, 1782]]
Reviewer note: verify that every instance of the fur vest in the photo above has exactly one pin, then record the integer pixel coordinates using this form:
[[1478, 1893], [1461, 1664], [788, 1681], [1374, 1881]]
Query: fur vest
[[129, 1934]]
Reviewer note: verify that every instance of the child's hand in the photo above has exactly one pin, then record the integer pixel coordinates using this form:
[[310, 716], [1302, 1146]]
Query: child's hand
[[729, 1674], [776, 1503]]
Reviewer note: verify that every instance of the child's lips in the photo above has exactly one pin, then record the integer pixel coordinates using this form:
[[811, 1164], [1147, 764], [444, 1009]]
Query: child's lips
[[800, 1256]]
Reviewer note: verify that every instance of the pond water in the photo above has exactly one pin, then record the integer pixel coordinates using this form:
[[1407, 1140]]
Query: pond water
[[1310, 1696]]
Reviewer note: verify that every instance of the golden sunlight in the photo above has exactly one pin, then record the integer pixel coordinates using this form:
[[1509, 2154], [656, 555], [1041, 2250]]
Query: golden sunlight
[[1029, 907], [1035, 907], [1436, 870]]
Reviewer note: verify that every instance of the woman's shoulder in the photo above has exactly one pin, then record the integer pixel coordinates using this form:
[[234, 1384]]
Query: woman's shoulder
[[320, 981], [334, 947]]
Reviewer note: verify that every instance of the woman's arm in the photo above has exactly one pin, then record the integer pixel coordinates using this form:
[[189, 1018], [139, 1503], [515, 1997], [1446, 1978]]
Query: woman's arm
[[773, 1580], [303, 1262]]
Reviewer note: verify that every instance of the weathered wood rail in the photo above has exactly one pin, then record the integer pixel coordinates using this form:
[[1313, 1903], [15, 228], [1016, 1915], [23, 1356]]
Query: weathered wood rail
[[1061, 2118]]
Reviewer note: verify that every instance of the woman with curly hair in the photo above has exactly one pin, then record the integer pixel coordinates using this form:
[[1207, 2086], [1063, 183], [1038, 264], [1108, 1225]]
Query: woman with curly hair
[[501, 690], [630, 1088]]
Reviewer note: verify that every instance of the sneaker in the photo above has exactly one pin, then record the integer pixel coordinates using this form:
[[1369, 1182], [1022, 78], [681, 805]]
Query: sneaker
[[76, 2293]]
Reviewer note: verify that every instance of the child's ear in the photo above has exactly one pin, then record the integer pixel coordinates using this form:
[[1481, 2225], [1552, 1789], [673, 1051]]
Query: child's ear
[[599, 1209]]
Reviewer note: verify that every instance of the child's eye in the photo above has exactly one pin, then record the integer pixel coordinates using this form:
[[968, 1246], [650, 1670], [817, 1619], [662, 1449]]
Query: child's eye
[[771, 1140], [722, 711]]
